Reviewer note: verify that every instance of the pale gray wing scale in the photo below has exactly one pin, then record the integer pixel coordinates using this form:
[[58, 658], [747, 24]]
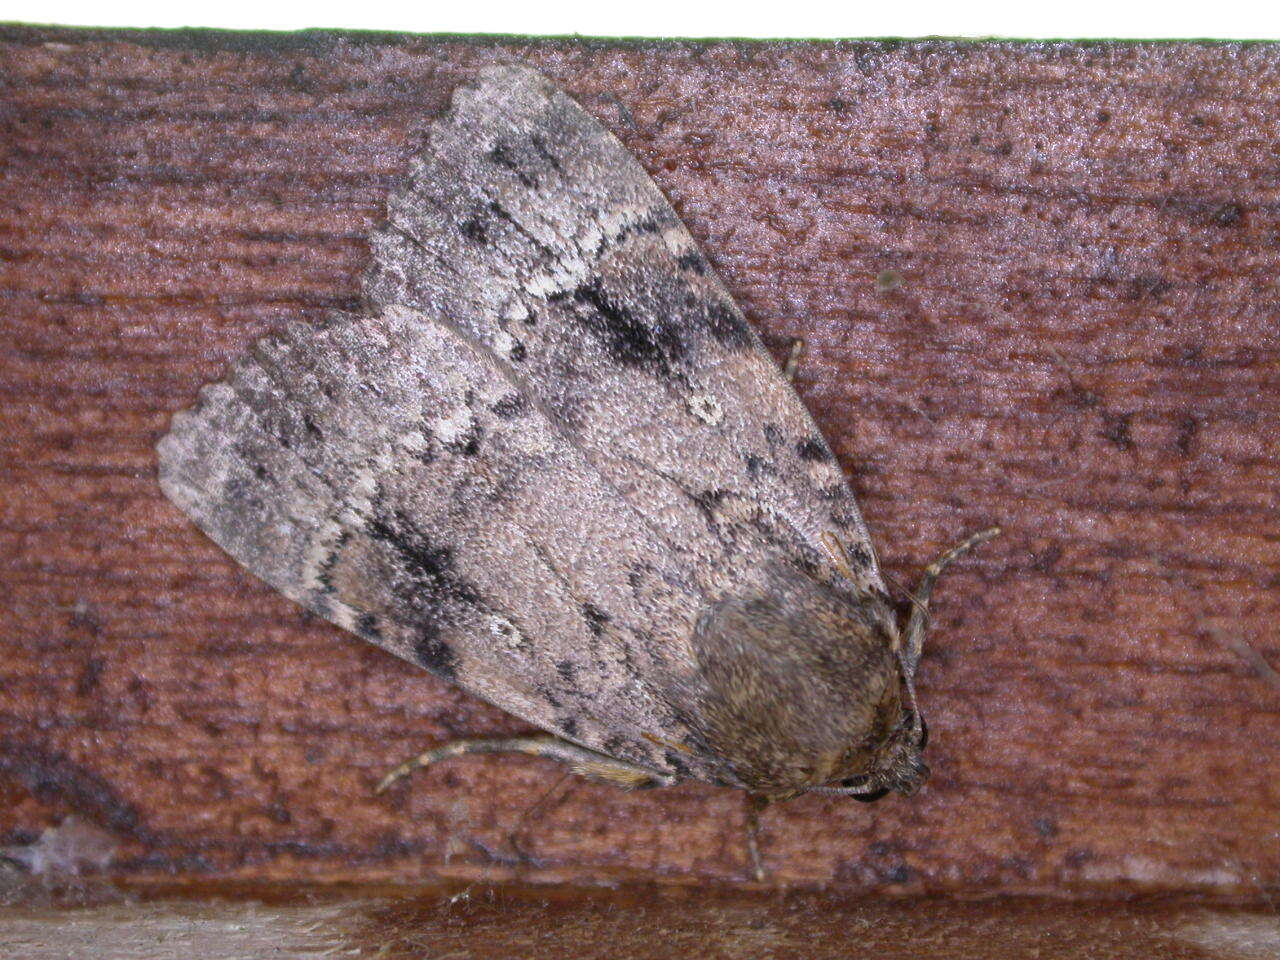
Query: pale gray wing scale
[[386, 474], [530, 226]]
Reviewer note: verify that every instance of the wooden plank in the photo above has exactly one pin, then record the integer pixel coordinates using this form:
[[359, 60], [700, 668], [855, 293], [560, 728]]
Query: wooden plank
[[1038, 286], [479, 923]]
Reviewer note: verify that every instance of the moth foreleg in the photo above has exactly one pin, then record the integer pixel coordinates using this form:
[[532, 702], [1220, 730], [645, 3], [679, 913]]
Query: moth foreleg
[[584, 762]]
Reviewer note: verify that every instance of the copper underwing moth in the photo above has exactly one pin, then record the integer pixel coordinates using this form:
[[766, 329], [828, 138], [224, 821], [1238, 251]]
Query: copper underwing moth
[[550, 461]]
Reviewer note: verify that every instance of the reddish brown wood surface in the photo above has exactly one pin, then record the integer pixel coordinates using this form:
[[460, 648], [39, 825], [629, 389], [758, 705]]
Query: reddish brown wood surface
[[1038, 285], [475, 922]]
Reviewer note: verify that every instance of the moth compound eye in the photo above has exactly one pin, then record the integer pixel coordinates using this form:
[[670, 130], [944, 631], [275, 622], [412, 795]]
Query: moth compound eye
[[924, 733]]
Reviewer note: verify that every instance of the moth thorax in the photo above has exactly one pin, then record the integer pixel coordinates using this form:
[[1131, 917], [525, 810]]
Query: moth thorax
[[797, 685]]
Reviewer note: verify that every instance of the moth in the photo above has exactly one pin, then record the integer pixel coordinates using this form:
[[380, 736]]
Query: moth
[[550, 461]]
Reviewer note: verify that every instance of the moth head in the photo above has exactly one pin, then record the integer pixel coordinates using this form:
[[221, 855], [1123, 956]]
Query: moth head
[[799, 686], [898, 766]]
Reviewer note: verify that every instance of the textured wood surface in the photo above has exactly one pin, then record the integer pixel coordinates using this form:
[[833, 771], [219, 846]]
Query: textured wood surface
[[1038, 284], [481, 923]]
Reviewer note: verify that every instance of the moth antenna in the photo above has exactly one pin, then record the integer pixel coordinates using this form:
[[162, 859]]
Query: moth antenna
[[858, 792], [918, 622], [909, 682]]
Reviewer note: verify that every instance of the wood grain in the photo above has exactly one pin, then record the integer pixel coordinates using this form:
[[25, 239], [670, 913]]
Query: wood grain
[[643, 923], [1038, 286]]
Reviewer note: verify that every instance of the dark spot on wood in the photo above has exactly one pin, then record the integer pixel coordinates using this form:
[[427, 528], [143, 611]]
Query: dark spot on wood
[[1077, 858], [1116, 429], [52, 776], [898, 874], [812, 448], [90, 676], [1044, 561], [1229, 215], [1045, 827], [260, 471], [1188, 427], [1148, 286], [279, 813], [888, 280], [510, 406], [1082, 397]]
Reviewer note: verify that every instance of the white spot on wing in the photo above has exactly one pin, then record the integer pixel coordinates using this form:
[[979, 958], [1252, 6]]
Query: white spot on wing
[[506, 631], [706, 408], [454, 427]]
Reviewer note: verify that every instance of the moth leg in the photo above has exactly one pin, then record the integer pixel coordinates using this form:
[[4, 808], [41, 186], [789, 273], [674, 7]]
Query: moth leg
[[793, 359], [919, 619], [754, 805], [584, 762]]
